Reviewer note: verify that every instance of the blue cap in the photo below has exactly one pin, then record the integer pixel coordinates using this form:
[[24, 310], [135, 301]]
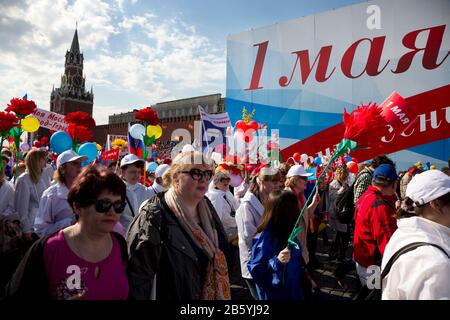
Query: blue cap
[[385, 172]]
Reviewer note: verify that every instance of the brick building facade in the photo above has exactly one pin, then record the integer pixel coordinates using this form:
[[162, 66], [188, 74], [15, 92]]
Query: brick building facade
[[177, 114]]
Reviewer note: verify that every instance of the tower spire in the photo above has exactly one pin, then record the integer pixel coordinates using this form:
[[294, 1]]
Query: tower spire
[[75, 47]]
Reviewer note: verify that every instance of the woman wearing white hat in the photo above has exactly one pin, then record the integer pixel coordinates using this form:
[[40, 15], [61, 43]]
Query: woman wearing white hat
[[54, 210], [422, 271], [297, 181]]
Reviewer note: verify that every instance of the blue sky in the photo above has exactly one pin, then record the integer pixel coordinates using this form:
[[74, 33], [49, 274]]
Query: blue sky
[[136, 52]]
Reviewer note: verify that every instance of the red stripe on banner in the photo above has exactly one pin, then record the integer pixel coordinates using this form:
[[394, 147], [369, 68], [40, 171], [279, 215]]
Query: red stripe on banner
[[431, 110]]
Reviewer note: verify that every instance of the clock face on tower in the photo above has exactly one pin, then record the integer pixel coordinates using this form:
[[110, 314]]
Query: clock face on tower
[[77, 81]]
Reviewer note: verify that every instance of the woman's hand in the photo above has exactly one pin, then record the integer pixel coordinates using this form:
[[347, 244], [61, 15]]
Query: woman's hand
[[284, 256]]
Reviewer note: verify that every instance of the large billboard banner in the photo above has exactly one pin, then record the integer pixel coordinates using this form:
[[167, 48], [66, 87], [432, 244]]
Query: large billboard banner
[[299, 75]]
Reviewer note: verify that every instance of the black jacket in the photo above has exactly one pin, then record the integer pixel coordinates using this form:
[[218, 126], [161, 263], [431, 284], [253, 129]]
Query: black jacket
[[30, 279], [157, 244]]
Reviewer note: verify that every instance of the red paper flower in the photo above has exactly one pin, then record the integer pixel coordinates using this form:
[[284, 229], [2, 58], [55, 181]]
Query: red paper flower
[[45, 141], [363, 124], [7, 122], [80, 118], [148, 115], [21, 107], [79, 133]]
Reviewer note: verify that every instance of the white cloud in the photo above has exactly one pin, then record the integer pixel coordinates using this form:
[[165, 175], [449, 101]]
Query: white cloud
[[142, 56]]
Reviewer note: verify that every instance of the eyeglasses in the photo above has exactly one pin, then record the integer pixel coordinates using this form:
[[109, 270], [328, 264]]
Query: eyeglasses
[[198, 174], [225, 180], [103, 206]]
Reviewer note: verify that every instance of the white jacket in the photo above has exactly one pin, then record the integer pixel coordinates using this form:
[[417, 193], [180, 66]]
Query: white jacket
[[423, 273], [141, 192], [7, 207], [224, 203], [248, 216], [130, 212], [27, 199], [54, 211]]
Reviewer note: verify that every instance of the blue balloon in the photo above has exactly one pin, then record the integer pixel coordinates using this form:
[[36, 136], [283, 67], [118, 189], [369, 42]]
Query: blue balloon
[[60, 141], [88, 149], [151, 166], [318, 161]]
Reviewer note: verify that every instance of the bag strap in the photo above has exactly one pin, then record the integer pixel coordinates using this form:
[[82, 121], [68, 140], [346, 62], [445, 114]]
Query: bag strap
[[404, 250], [129, 204]]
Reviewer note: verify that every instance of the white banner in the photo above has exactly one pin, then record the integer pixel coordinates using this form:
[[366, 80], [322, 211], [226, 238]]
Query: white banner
[[50, 120]]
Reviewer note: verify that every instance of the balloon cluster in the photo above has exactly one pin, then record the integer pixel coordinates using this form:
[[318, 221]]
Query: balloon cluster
[[149, 131], [15, 120], [76, 137]]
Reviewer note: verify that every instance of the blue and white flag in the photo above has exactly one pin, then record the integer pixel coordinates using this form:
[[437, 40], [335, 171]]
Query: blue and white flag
[[213, 129]]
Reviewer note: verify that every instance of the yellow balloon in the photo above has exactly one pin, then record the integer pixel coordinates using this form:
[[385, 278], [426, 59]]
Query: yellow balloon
[[99, 147], [30, 124], [154, 131]]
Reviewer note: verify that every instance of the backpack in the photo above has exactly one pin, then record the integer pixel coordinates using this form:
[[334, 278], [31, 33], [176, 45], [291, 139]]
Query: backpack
[[345, 207], [375, 294]]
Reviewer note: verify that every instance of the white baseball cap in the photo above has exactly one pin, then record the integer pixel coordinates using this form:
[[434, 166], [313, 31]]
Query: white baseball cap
[[427, 186], [162, 168], [68, 156], [129, 159], [298, 170]]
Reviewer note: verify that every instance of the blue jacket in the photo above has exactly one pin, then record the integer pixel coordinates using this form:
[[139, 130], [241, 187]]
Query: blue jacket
[[273, 280]]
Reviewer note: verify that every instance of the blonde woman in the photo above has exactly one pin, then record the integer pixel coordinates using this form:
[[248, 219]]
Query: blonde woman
[[265, 180], [177, 244], [29, 189]]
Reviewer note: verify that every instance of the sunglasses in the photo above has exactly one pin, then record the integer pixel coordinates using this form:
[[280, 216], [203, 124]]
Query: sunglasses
[[103, 206], [225, 180], [197, 174]]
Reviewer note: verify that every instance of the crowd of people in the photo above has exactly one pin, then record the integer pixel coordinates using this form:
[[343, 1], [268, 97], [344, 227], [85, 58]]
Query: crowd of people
[[100, 232]]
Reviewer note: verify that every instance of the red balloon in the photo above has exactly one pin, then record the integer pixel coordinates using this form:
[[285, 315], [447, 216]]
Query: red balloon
[[252, 125], [37, 144], [297, 157], [241, 125]]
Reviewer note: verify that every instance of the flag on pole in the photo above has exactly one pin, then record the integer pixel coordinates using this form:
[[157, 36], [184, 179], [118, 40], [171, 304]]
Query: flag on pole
[[135, 146], [213, 129]]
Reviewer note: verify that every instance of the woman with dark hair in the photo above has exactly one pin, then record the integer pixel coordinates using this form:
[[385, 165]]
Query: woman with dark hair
[[277, 269], [86, 260], [422, 273]]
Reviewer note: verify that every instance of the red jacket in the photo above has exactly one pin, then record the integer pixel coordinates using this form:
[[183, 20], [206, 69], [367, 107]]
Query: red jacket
[[374, 225]]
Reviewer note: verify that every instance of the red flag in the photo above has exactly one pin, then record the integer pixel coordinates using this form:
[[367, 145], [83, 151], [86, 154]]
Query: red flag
[[112, 154]]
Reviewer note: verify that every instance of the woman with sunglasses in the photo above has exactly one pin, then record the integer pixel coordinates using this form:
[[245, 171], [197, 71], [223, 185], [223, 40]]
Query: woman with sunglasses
[[265, 180], [224, 203], [86, 260], [177, 244]]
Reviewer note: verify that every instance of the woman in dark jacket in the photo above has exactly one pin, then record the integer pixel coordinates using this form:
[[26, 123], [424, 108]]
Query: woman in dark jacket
[[177, 244]]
